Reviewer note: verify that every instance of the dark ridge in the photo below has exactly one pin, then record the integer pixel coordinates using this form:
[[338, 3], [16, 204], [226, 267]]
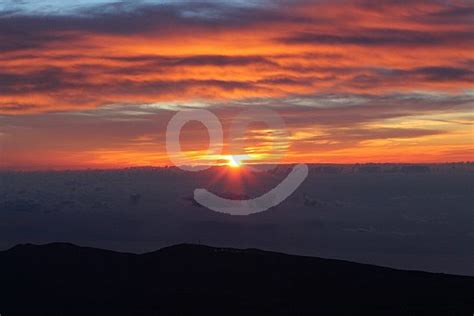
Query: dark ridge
[[186, 248], [198, 248], [64, 279]]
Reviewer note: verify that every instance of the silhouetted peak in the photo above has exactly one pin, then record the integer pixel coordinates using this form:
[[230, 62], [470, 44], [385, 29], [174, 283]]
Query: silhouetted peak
[[186, 247], [203, 249]]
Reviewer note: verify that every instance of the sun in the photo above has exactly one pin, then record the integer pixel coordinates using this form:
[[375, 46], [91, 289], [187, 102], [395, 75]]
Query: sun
[[233, 162]]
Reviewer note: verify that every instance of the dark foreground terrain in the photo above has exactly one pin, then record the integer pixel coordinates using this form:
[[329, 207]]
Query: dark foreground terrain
[[409, 217], [63, 279]]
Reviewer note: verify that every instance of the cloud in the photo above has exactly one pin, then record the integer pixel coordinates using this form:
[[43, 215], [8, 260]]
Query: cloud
[[377, 36], [342, 128], [110, 53], [440, 73], [343, 74]]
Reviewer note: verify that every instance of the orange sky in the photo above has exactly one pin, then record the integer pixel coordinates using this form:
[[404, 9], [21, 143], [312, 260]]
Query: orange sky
[[354, 81]]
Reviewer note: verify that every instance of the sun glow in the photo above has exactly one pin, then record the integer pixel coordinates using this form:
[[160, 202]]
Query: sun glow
[[233, 162]]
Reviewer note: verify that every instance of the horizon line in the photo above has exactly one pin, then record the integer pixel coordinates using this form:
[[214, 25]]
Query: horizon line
[[59, 169]]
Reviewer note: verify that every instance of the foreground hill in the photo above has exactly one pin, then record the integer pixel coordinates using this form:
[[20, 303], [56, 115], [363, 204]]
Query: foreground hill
[[63, 279]]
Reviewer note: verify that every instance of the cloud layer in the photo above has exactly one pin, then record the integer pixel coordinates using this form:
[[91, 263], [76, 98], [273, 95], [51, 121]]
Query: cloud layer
[[345, 75]]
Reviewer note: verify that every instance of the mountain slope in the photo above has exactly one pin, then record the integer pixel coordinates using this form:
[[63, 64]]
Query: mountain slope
[[63, 279]]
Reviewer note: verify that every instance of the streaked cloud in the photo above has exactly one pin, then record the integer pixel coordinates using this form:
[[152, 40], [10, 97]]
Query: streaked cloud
[[345, 75]]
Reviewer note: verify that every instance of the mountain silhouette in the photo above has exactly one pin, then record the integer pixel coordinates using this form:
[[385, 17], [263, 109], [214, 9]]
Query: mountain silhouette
[[64, 279]]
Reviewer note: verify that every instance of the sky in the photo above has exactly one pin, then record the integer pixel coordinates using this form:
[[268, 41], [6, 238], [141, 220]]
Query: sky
[[94, 83]]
